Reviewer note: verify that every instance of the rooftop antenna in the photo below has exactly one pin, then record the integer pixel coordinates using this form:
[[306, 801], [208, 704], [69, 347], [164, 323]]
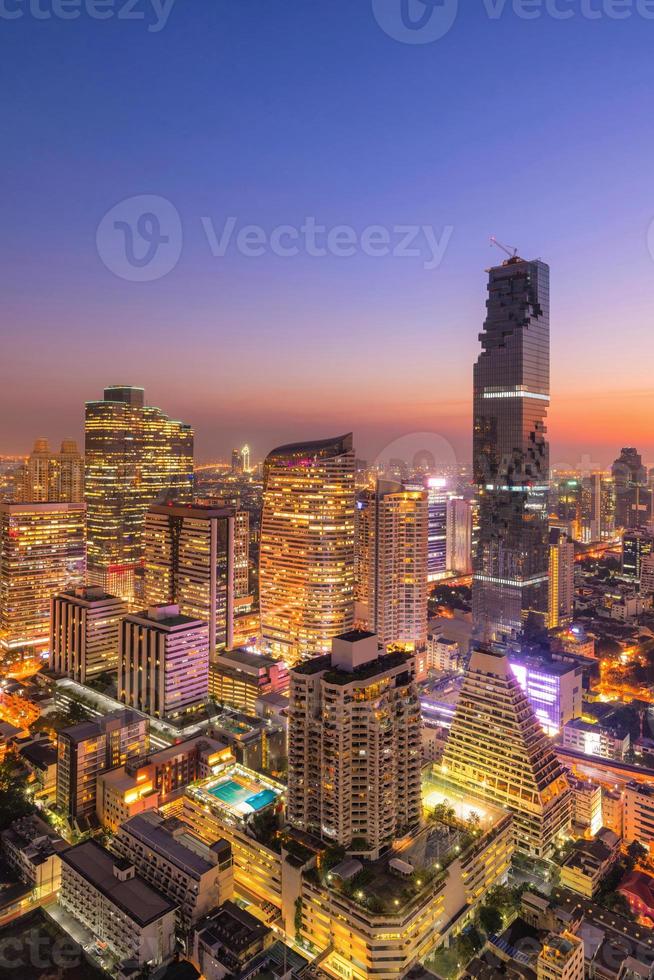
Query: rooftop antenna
[[511, 252]]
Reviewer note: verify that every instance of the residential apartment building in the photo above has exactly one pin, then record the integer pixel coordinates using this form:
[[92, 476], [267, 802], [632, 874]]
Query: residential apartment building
[[84, 632], [51, 477], [163, 662], [639, 814], [195, 876], [42, 552], [497, 747], [106, 895], [561, 958], [85, 751], [392, 525], [306, 554], [354, 745], [238, 678], [594, 738]]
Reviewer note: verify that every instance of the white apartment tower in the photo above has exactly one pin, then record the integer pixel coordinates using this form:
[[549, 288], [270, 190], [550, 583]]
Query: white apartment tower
[[354, 745], [391, 563], [497, 748], [163, 662], [84, 629]]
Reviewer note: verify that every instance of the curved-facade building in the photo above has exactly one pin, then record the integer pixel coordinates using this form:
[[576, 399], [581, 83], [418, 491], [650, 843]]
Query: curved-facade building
[[306, 564]]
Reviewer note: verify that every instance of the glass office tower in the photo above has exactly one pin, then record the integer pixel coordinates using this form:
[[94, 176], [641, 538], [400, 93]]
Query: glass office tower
[[511, 459]]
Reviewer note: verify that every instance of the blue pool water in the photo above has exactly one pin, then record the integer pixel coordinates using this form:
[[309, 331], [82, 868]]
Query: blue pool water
[[232, 793]]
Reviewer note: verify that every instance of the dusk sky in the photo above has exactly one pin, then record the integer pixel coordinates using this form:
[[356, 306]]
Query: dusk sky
[[540, 131]]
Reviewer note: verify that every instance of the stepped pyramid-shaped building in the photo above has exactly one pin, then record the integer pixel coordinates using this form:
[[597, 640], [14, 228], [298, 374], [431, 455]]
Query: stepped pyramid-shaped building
[[497, 748]]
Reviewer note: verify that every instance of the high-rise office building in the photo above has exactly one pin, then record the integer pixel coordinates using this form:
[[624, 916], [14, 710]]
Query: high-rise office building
[[42, 552], [633, 498], [568, 494], [391, 551], [49, 477], [562, 580], [354, 745], [237, 461], [306, 560], [459, 536], [163, 662], [86, 751], [636, 546], [135, 456], [191, 555], [438, 496], [84, 630], [497, 747], [511, 459]]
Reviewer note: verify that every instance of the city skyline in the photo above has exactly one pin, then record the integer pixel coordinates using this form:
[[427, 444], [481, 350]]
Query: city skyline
[[268, 349]]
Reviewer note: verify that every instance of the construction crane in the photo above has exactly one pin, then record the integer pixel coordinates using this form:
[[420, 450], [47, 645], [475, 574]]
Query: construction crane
[[511, 252]]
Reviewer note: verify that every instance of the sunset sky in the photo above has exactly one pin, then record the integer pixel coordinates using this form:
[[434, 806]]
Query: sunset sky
[[538, 131]]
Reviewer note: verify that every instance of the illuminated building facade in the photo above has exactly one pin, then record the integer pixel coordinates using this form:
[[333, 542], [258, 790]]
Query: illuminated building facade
[[190, 560], [562, 580], [392, 559], [637, 545], [459, 536], [553, 689], [42, 552], [438, 497], [497, 747], [511, 458], [306, 563], [354, 745], [561, 958], [163, 662], [49, 477], [633, 497], [238, 678], [85, 751], [84, 629], [135, 456]]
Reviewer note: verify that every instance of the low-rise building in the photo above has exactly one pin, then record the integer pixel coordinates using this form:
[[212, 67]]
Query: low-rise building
[[639, 814], [107, 896], [33, 849], [593, 738], [443, 654], [638, 889], [149, 781], [40, 758], [613, 810], [589, 862], [227, 940], [586, 806], [561, 958], [237, 678], [196, 876]]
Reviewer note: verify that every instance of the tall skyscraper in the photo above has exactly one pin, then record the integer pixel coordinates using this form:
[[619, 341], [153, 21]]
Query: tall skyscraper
[[459, 536], [49, 477], [391, 557], [84, 629], [633, 498], [163, 662], [245, 459], [306, 563], [42, 552], [562, 579], [496, 747], [190, 560], [511, 464], [438, 497], [636, 546], [135, 456], [354, 745]]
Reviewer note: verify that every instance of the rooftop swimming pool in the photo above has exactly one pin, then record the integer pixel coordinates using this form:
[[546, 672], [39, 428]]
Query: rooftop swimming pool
[[243, 796]]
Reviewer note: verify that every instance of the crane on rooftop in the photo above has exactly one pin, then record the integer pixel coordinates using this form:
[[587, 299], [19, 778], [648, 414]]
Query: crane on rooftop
[[511, 252]]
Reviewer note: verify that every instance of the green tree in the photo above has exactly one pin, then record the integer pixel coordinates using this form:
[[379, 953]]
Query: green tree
[[490, 919]]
